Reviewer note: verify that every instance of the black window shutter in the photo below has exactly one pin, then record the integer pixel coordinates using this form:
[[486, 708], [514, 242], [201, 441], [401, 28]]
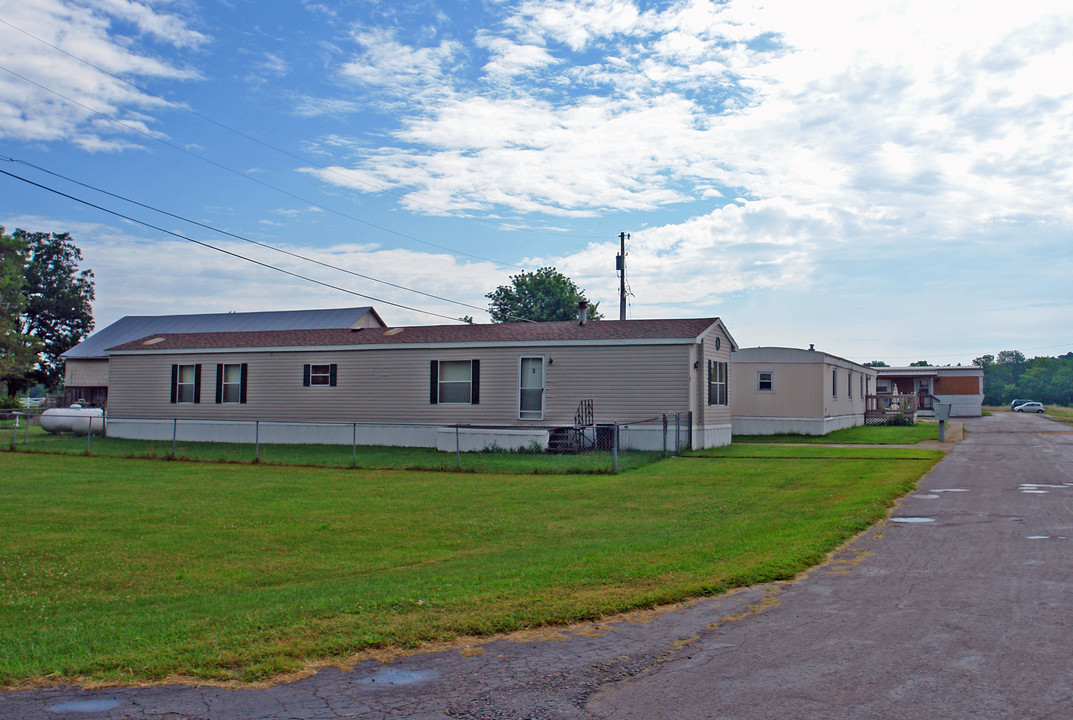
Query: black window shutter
[[174, 382], [197, 383], [475, 380], [305, 375], [219, 383], [331, 375], [242, 388], [433, 383]]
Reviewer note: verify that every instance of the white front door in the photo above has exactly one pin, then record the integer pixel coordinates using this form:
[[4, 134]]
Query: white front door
[[531, 388]]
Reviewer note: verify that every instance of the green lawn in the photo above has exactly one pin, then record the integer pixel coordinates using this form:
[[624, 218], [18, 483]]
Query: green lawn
[[130, 569], [862, 434], [364, 456]]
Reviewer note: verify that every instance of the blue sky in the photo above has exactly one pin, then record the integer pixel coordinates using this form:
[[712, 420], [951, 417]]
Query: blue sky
[[885, 180]]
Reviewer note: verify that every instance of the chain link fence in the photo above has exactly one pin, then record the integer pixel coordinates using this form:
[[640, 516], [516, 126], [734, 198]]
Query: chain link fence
[[599, 447]]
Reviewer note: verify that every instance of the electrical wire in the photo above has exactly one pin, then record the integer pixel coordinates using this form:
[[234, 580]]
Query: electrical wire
[[223, 251], [262, 183], [240, 237]]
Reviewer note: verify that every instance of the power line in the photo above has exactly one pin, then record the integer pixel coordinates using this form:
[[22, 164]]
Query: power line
[[263, 143], [221, 166], [241, 237], [225, 252]]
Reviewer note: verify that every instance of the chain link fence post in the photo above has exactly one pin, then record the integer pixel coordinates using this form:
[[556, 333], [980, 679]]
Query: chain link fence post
[[664, 434], [614, 449]]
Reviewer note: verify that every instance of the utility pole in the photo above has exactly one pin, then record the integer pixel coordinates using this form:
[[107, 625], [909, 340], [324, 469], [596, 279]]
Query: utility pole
[[620, 263]]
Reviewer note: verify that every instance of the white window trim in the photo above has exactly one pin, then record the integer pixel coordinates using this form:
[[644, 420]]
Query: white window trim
[[772, 381], [314, 376], [236, 384], [179, 384], [440, 382]]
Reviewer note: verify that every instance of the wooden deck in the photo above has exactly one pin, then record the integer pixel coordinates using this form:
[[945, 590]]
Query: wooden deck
[[883, 409]]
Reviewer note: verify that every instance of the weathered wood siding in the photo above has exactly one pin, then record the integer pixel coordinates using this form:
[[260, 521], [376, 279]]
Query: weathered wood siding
[[626, 383], [85, 372], [957, 386]]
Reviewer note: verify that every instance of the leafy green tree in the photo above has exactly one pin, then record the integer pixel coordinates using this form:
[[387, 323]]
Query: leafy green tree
[[876, 364], [920, 363], [541, 295], [1011, 357], [18, 351], [1011, 375], [58, 308]]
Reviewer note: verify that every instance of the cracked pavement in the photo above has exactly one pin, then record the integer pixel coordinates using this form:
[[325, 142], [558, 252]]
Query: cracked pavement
[[956, 606]]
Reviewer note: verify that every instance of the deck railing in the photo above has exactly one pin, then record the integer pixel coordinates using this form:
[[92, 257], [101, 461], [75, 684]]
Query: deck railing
[[882, 409]]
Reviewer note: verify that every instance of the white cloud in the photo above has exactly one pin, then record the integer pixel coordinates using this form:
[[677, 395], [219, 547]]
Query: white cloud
[[135, 274], [390, 66], [59, 98]]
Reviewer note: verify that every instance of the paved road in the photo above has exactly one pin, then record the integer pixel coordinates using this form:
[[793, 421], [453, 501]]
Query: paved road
[[958, 607]]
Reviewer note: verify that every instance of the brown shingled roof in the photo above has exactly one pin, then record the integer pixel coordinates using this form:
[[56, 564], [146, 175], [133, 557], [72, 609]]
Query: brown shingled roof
[[544, 332]]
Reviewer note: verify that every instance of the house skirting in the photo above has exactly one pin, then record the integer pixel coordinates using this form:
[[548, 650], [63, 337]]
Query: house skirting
[[795, 426], [442, 437], [466, 439], [712, 436], [272, 433], [963, 405]]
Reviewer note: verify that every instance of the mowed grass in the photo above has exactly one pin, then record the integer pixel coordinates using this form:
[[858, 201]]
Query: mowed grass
[[135, 570], [364, 456], [862, 434]]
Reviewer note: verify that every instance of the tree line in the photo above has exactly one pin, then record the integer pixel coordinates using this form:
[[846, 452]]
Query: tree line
[[1010, 375], [45, 306]]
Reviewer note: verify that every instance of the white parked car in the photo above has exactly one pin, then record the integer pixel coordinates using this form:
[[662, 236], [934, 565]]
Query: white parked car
[[1029, 407]]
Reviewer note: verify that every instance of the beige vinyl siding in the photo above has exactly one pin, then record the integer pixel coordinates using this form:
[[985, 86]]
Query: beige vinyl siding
[[626, 382], [714, 415], [794, 395]]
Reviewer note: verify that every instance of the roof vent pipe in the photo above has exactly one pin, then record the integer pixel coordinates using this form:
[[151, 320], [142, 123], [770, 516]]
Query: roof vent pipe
[[812, 346], [582, 312]]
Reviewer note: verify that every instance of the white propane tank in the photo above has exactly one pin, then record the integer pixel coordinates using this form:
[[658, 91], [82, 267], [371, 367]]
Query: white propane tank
[[75, 419]]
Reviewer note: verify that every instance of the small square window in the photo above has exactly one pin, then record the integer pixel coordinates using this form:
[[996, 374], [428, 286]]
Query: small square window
[[765, 380], [319, 375]]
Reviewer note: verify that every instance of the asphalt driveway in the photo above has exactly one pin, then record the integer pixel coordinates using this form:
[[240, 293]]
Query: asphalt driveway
[[958, 606]]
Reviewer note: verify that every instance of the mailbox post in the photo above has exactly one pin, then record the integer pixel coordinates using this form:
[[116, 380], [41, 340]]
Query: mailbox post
[[942, 414]]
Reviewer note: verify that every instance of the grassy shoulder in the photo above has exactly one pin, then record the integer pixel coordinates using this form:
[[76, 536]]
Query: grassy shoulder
[[1059, 413], [132, 570]]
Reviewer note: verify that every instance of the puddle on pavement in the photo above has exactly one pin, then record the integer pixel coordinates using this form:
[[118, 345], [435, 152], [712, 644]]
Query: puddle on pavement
[[390, 677], [85, 706], [929, 496], [1037, 537], [912, 519], [939, 490]]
